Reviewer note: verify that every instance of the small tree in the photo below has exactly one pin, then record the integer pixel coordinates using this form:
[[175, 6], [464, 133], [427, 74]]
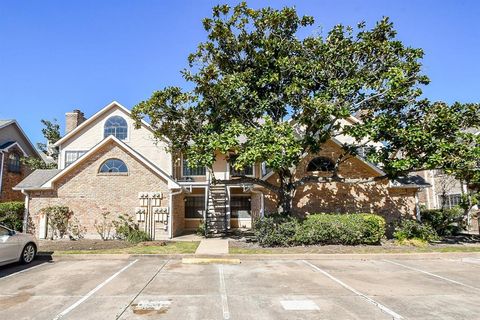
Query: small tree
[[262, 94], [51, 132], [58, 218]]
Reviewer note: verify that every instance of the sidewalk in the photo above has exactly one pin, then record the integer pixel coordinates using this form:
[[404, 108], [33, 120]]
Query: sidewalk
[[212, 246]]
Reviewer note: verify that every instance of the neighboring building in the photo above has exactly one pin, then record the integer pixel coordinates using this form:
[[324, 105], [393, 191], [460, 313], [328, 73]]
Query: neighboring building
[[105, 165], [446, 191], [14, 144]]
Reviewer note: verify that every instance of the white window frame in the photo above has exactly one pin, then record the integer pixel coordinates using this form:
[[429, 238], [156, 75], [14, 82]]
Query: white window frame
[[247, 175], [127, 139], [192, 175], [72, 151]]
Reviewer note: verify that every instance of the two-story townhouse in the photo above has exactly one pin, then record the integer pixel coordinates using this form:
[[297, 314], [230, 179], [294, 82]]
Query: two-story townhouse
[[106, 165], [14, 144]]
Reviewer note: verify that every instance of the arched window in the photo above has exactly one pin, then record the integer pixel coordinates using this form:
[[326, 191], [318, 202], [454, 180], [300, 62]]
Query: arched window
[[113, 166], [116, 126], [321, 164]]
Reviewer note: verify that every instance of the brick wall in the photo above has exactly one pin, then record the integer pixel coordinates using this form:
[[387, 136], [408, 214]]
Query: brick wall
[[89, 194], [376, 197], [11, 179]]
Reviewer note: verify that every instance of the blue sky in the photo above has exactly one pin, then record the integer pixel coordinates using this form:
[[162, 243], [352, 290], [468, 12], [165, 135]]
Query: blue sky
[[56, 56]]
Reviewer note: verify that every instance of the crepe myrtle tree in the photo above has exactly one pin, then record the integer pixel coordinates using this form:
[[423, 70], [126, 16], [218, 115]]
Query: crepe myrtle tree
[[261, 93]]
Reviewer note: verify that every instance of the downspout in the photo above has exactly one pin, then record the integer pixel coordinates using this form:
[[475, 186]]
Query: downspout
[[170, 210], [26, 212], [1, 173]]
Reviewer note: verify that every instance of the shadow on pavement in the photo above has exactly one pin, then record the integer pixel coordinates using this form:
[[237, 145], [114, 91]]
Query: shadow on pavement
[[9, 269]]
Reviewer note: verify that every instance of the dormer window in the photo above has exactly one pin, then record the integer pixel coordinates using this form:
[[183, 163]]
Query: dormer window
[[117, 127]]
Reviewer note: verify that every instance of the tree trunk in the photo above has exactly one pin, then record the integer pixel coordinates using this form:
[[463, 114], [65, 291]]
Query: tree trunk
[[286, 194]]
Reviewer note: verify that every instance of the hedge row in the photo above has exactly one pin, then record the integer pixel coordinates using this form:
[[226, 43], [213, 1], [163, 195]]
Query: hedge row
[[11, 214], [348, 229]]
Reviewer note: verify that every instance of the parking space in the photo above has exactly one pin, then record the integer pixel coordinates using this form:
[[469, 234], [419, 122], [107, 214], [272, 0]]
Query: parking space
[[151, 287]]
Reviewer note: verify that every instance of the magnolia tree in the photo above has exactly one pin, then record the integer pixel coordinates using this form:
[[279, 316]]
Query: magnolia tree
[[262, 93]]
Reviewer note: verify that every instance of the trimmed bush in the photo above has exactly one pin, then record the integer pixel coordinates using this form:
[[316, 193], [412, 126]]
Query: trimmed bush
[[348, 229], [276, 230], [446, 222], [412, 229], [11, 214]]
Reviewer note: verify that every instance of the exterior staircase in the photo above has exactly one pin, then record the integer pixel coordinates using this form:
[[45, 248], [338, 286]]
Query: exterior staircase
[[216, 222]]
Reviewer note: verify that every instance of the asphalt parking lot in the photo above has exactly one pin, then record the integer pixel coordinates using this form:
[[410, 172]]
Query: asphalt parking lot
[[151, 287]]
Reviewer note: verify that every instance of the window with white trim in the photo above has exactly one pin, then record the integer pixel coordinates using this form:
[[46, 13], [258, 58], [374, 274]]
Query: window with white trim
[[116, 126], [14, 163], [193, 171], [113, 166], [72, 156], [449, 200]]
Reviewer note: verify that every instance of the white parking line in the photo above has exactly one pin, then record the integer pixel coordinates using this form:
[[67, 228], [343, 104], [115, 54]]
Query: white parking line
[[358, 293], [223, 292], [89, 294], [431, 274], [24, 270]]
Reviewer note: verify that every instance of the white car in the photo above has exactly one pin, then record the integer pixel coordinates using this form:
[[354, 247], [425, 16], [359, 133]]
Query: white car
[[16, 246]]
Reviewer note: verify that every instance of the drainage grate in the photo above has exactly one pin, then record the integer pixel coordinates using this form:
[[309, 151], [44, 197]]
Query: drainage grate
[[299, 305]]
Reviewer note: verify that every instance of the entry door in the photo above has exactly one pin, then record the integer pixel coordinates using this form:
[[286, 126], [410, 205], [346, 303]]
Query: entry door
[[151, 216]]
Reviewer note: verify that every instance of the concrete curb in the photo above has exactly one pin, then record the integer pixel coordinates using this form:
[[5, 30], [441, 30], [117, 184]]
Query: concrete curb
[[253, 257]]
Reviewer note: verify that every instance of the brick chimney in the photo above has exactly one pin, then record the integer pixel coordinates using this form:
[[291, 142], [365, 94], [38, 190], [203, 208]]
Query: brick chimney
[[73, 119]]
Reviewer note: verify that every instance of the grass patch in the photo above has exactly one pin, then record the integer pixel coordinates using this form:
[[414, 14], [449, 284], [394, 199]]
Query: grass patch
[[415, 242], [181, 247]]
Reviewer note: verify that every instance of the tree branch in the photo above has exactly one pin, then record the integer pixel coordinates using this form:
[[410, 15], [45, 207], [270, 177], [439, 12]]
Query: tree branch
[[245, 179]]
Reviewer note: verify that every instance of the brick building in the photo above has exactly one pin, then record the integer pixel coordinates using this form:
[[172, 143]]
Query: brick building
[[14, 144], [106, 165]]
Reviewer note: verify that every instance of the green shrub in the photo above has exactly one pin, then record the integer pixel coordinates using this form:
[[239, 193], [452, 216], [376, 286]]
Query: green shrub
[[201, 228], [348, 229], [136, 236], [127, 229], [412, 229], [276, 230], [124, 225], [446, 222], [11, 214]]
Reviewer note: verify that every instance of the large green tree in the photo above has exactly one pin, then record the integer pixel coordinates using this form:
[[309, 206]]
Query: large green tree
[[262, 93]]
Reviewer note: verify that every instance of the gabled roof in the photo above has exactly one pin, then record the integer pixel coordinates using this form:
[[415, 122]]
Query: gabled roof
[[113, 104], [36, 179], [371, 165], [172, 184], [8, 145], [4, 123], [409, 181]]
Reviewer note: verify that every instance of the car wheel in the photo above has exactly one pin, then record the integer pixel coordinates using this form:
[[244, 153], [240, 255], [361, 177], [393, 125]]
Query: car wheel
[[28, 253]]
